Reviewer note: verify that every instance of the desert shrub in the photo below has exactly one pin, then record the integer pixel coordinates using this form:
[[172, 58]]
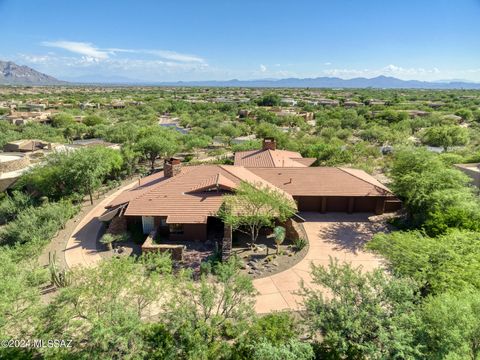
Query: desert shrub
[[37, 225]]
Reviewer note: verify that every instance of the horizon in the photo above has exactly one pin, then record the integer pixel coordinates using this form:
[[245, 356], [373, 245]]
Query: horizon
[[246, 41]]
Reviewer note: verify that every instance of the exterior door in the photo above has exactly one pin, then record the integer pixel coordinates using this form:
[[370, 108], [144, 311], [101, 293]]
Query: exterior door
[[148, 224]]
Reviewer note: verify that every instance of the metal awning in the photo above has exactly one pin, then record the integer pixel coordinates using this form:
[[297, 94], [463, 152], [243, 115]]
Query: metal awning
[[109, 215]]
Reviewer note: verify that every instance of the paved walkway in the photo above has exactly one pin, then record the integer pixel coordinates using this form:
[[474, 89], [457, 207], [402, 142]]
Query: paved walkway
[[336, 235], [81, 248]]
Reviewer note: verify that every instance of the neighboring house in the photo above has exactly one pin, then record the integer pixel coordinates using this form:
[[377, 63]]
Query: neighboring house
[[181, 202], [269, 156], [26, 146], [12, 166], [328, 102], [472, 170], [352, 104], [93, 142], [243, 139]]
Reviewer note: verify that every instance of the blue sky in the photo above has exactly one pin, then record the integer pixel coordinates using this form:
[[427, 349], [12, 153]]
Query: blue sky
[[247, 39]]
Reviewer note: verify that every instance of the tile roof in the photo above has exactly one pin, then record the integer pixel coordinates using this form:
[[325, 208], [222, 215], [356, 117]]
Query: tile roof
[[271, 158], [323, 181], [179, 197]]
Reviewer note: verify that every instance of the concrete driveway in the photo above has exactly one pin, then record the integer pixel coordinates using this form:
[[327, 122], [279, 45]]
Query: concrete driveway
[[336, 235], [81, 248]]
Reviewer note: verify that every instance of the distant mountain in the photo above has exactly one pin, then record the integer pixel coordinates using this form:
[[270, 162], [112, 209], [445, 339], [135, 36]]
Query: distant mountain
[[13, 74], [379, 82], [101, 79]]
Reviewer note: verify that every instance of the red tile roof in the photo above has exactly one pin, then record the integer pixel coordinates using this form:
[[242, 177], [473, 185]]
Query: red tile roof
[[179, 198], [271, 158], [323, 181]]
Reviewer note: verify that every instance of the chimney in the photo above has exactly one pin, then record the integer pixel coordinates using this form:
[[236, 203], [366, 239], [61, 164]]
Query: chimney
[[269, 143], [172, 167]]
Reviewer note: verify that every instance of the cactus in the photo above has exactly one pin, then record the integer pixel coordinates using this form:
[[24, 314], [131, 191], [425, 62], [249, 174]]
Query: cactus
[[59, 278]]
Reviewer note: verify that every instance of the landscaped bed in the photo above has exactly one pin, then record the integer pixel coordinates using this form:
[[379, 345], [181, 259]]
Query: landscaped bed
[[262, 260]]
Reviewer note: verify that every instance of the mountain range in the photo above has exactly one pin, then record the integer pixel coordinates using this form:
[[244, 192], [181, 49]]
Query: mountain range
[[13, 74]]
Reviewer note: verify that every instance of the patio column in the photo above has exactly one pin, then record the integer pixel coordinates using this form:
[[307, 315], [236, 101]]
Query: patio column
[[226, 242]]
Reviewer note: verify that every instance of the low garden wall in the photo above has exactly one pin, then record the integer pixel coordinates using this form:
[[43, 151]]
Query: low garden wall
[[149, 245]]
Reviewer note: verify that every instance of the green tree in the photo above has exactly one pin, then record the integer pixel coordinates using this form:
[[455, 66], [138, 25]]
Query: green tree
[[93, 120], [77, 172], [271, 99], [252, 208], [204, 316], [103, 310], [438, 264], [153, 147], [62, 120], [451, 326], [446, 136], [367, 316], [417, 175]]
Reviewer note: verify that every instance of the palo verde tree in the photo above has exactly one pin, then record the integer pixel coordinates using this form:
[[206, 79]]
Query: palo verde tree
[[253, 207]]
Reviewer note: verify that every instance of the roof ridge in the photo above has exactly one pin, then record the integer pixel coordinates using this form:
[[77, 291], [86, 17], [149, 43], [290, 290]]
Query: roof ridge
[[375, 186], [167, 180]]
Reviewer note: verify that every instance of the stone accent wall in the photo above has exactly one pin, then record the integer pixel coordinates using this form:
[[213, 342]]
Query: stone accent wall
[[227, 243], [176, 251], [294, 230], [117, 226]]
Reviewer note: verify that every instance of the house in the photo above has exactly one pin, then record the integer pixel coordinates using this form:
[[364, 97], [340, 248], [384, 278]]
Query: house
[[244, 139], [269, 156], [181, 202], [328, 102], [352, 104], [26, 146], [12, 166], [93, 142]]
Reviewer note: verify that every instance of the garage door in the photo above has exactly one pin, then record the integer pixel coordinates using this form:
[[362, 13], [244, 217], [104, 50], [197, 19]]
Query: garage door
[[337, 204], [365, 204], [309, 203]]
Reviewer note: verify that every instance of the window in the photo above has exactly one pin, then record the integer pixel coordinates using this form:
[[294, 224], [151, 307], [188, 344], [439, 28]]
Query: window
[[176, 228]]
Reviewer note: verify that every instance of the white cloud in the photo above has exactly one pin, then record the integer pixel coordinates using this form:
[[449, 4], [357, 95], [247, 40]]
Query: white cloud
[[92, 52], [263, 68], [389, 70], [175, 56], [327, 63], [81, 48]]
